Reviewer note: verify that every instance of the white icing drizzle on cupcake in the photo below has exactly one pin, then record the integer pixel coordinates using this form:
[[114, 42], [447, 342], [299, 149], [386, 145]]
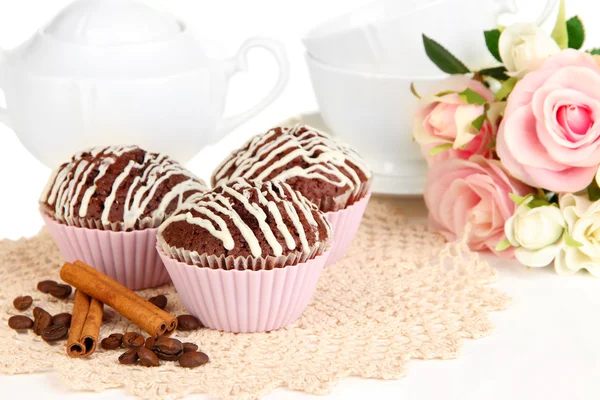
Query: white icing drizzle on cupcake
[[264, 154], [214, 205], [64, 190]]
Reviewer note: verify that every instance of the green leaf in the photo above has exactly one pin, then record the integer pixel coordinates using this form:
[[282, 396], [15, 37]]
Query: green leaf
[[442, 58], [530, 200], [551, 198], [559, 33], [413, 90], [506, 88], [491, 41], [439, 149], [445, 92], [535, 203], [503, 245], [570, 241], [593, 191], [540, 193], [594, 52], [576, 33], [478, 123], [498, 73], [472, 97], [518, 200]]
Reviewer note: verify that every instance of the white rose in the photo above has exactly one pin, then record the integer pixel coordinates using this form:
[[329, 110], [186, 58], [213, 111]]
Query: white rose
[[536, 233], [582, 247], [523, 47]]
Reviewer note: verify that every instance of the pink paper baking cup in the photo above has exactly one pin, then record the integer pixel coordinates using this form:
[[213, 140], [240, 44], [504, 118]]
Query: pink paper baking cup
[[130, 258], [344, 224], [243, 300]]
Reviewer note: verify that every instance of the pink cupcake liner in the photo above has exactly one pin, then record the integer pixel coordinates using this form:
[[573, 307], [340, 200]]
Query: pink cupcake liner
[[130, 258], [345, 224], [245, 301]]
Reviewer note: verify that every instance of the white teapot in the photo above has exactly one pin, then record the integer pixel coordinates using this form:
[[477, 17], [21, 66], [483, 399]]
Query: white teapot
[[120, 72]]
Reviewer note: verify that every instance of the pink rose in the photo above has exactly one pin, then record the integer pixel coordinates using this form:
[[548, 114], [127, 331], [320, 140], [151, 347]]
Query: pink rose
[[447, 120], [479, 145], [475, 192], [548, 137]]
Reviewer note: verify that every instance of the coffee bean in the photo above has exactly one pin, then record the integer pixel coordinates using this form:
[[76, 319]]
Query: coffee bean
[[113, 341], [129, 357], [110, 343], [168, 349], [168, 357], [159, 301], [193, 359], [168, 345], [46, 286], [187, 347], [62, 319], [147, 357], [37, 311], [42, 320], [132, 339], [22, 303], [188, 323], [61, 291], [20, 323], [117, 336], [54, 333], [150, 343]]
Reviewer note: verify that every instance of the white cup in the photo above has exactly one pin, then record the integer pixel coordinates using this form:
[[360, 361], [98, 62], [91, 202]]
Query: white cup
[[373, 113], [386, 36]]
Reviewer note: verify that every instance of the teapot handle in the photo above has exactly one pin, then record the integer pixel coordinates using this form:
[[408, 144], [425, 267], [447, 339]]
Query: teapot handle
[[240, 63], [3, 111]]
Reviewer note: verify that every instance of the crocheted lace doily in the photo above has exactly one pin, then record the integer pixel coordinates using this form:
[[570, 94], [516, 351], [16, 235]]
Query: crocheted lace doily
[[399, 294]]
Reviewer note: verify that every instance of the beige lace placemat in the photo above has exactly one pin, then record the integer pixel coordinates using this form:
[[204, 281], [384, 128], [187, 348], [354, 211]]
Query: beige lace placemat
[[399, 294]]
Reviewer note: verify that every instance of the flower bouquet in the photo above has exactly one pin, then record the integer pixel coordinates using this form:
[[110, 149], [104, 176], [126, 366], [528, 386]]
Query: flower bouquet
[[514, 149]]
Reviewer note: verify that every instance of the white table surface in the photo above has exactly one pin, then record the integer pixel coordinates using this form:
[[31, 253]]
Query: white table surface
[[546, 346]]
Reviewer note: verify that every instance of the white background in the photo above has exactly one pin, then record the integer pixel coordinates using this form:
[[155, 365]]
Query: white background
[[546, 344]]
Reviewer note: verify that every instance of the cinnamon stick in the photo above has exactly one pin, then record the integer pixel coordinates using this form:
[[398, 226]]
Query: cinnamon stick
[[85, 326], [138, 310]]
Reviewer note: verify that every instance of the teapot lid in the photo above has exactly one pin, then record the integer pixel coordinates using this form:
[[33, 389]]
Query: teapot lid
[[112, 22], [110, 39]]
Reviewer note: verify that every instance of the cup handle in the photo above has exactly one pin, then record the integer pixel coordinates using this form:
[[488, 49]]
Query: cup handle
[[547, 12], [3, 111], [240, 63], [511, 6]]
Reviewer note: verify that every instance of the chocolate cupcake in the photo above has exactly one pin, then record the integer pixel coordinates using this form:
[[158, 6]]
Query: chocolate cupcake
[[117, 189], [327, 172], [246, 225], [105, 205], [247, 256]]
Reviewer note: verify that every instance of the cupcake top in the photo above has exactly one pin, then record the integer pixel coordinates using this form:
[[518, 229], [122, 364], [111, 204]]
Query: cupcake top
[[327, 172], [247, 219], [117, 188]]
